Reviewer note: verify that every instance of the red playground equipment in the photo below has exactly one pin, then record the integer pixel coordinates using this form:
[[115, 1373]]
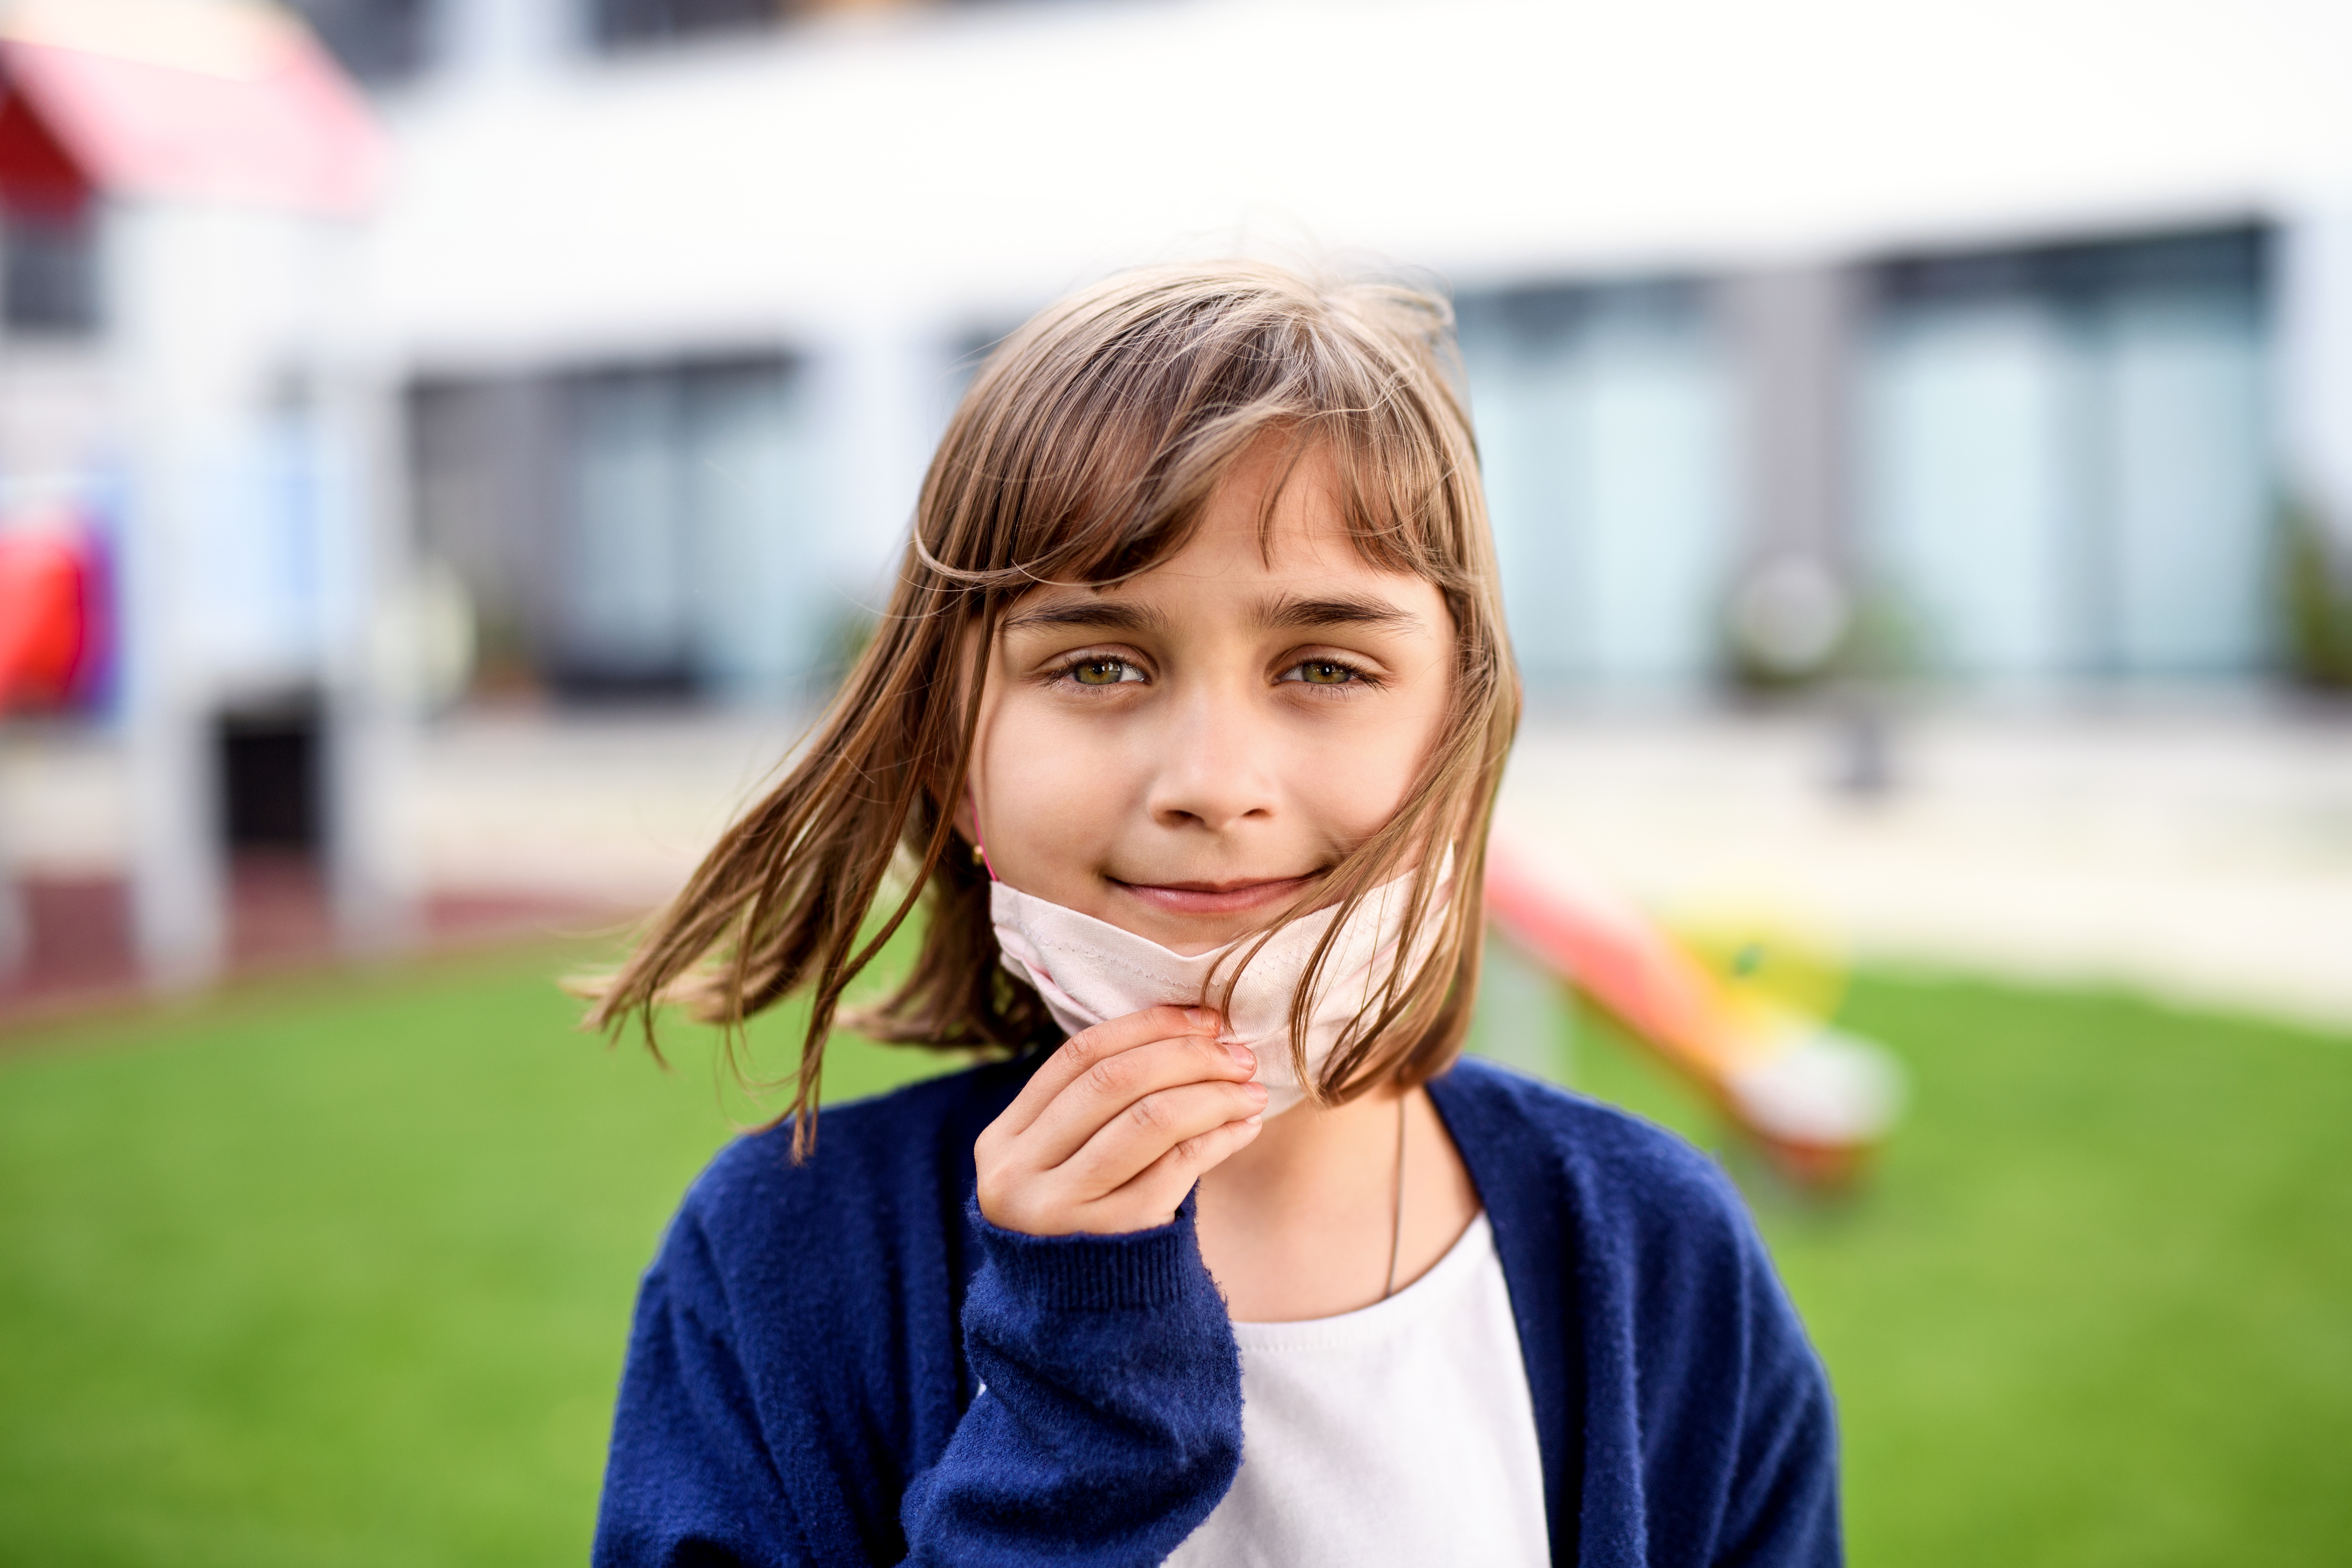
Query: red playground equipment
[[1817, 1100], [52, 621]]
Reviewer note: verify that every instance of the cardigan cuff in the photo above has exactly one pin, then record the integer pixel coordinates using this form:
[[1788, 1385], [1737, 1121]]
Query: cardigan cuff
[[1095, 1273]]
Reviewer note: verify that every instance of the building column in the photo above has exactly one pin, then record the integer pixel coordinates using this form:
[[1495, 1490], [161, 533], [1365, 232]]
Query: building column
[[372, 668], [1793, 333], [173, 374], [886, 385], [2313, 329]]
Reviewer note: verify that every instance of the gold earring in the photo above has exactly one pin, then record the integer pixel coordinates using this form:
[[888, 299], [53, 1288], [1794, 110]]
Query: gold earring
[[979, 855]]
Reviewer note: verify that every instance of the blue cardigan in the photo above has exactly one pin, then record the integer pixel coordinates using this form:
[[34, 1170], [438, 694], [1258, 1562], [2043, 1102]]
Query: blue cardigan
[[801, 1375]]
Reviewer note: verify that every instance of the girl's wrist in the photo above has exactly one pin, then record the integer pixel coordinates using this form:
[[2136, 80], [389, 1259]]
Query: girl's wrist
[[1086, 1272]]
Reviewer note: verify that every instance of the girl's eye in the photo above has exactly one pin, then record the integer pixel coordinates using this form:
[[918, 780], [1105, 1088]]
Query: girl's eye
[[1323, 672], [1102, 671]]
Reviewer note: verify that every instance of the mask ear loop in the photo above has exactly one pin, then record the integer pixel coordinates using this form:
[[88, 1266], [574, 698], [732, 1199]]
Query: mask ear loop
[[979, 850]]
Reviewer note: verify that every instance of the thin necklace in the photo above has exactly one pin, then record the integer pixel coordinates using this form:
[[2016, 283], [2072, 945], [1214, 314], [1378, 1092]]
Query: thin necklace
[[1396, 1231]]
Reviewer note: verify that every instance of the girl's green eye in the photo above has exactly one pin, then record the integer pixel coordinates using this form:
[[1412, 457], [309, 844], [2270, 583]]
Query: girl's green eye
[[1101, 671], [1324, 672]]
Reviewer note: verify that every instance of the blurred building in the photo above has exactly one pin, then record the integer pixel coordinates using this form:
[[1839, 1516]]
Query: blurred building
[[2045, 463], [1788, 330], [181, 189], [2001, 345]]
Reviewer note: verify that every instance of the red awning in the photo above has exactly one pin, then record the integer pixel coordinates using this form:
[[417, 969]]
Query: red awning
[[187, 99]]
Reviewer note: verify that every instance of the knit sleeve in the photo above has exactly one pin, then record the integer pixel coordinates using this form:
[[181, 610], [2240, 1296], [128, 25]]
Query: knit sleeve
[[689, 1479], [1781, 1510], [1109, 1419], [1107, 1427]]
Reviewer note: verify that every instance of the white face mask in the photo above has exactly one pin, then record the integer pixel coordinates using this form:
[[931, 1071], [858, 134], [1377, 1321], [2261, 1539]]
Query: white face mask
[[1088, 971]]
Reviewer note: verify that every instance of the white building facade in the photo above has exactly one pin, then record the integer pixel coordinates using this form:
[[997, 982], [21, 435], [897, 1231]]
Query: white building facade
[[1980, 316]]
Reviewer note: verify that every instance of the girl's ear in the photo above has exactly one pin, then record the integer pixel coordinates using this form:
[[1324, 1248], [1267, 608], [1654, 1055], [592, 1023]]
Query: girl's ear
[[967, 819]]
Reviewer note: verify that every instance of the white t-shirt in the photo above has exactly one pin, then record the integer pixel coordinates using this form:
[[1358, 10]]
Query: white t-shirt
[[1401, 1434]]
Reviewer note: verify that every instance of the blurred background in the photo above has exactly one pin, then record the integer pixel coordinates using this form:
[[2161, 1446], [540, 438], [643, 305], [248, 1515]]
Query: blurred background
[[449, 448]]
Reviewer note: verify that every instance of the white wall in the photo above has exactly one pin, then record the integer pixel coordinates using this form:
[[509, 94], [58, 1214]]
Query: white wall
[[940, 164]]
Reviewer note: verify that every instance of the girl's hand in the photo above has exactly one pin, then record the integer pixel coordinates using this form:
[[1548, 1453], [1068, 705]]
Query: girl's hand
[[1117, 1126]]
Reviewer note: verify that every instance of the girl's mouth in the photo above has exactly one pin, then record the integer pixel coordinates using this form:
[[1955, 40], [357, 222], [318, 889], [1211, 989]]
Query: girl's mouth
[[1239, 896]]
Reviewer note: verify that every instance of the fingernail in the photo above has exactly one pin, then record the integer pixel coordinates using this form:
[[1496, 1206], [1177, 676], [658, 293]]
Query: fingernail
[[1242, 1053], [1256, 1089], [1200, 1016], [1253, 1121]]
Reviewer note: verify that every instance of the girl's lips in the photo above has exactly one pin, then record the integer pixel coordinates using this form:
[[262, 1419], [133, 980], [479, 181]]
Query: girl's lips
[[1215, 897]]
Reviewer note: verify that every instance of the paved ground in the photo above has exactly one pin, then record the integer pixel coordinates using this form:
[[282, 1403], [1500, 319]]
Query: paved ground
[[2203, 853]]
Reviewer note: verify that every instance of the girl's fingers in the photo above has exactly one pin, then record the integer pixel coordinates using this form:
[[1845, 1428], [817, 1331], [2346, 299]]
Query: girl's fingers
[[1153, 1194], [1117, 1086], [1089, 1047], [1115, 1078], [1139, 1137]]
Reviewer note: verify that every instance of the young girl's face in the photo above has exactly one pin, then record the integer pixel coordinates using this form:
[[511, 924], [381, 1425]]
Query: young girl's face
[[1186, 752]]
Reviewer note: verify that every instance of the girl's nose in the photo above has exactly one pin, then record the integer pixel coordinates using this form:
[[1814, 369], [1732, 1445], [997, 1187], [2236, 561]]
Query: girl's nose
[[1217, 766]]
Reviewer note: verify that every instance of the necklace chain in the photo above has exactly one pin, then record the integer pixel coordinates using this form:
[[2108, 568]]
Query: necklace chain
[[1396, 1229]]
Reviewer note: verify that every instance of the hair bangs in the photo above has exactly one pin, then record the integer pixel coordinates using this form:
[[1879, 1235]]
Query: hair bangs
[[1102, 447]]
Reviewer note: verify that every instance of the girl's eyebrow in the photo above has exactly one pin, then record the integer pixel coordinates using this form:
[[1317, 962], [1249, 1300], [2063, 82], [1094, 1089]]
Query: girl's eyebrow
[[1292, 612], [1097, 614], [1286, 612]]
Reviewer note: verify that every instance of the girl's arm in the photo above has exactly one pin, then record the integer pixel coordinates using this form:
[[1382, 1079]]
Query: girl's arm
[[690, 1477], [1108, 1423], [1107, 1427], [1109, 1420], [1782, 1510]]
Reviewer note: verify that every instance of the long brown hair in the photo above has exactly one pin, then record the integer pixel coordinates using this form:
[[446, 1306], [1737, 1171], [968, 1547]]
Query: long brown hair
[[1084, 453]]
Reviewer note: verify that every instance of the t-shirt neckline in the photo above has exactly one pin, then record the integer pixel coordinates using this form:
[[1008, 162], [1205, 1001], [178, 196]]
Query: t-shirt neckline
[[1425, 1297]]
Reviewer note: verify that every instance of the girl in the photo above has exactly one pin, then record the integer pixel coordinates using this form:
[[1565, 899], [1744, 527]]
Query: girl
[[1185, 725]]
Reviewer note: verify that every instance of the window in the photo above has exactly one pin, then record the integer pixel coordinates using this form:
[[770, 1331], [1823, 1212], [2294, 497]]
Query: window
[[378, 41], [50, 274], [626, 24], [1603, 416], [644, 532], [2065, 469], [687, 499]]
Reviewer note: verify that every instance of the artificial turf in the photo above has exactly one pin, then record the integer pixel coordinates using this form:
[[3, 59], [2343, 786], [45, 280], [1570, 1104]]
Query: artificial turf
[[337, 1269]]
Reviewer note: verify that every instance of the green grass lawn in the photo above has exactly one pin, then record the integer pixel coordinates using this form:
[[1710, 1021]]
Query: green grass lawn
[[337, 1270]]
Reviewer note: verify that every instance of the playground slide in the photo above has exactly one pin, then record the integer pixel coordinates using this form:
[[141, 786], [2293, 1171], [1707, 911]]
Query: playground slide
[[1817, 1100]]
